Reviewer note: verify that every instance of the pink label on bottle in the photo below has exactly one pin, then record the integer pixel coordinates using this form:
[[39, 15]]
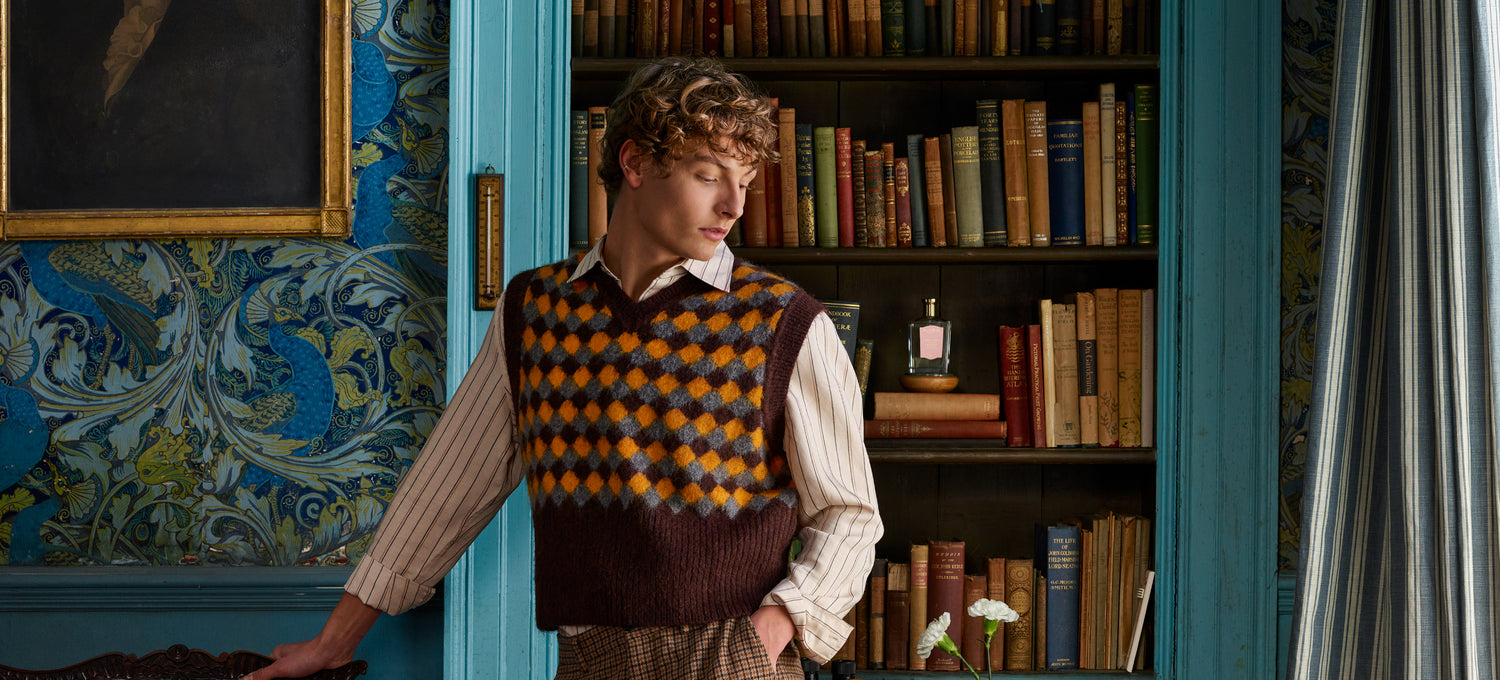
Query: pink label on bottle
[[930, 342]]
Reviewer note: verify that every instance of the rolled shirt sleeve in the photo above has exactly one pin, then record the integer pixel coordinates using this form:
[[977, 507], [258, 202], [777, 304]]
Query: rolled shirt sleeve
[[839, 519], [463, 474]]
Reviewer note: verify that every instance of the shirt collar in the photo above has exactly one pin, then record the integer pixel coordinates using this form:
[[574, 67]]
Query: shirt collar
[[716, 271]]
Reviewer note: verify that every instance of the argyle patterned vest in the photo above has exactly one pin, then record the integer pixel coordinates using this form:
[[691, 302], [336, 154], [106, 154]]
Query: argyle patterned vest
[[652, 436]]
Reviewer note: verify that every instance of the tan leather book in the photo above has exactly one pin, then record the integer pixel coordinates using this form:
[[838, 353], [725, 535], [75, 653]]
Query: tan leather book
[[1013, 154], [1038, 201], [1020, 584], [918, 618]]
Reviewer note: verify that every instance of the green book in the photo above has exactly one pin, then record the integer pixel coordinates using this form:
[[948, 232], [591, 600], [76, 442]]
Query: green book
[[806, 233], [578, 180], [991, 172], [1146, 137], [893, 27], [825, 187], [916, 28], [967, 187]]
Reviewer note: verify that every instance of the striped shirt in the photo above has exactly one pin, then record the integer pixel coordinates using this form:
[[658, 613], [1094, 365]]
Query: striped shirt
[[471, 463]]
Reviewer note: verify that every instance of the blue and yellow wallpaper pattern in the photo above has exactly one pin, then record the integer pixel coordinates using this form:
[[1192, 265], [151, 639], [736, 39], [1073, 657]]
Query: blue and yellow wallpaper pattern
[[1308, 48], [238, 401]]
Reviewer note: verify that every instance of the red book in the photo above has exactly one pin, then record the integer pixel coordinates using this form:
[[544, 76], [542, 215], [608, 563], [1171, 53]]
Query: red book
[[945, 593], [1038, 400], [844, 180], [728, 39], [903, 203], [1013, 385], [772, 171], [857, 157], [712, 32]]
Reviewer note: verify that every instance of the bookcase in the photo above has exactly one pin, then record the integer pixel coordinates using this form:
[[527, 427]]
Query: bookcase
[[974, 490], [1216, 270]]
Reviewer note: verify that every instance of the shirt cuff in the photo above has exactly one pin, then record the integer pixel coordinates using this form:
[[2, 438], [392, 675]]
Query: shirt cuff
[[379, 587], [821, 631]]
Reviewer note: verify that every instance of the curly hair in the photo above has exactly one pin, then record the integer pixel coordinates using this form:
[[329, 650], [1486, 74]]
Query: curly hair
[[676, 103]]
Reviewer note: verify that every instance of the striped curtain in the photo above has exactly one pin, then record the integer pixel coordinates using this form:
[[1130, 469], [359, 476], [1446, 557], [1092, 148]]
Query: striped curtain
[[1399, 568]]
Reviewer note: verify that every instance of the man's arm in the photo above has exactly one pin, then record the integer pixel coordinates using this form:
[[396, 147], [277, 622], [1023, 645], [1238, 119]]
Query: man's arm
[[464, 473], [836, 494]]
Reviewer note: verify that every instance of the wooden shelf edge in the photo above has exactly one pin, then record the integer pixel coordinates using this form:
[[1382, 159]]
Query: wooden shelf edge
[[1081, 254], [969, 451], [1007, 675], [885, 68]]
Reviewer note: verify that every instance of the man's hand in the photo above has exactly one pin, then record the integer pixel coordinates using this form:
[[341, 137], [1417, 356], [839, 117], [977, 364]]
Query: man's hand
[[775, 627], [333, 647]]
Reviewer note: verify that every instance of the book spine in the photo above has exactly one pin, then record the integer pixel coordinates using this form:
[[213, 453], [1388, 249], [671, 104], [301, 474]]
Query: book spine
[[772, 173], [903, 203], [713, 36], [845, 317], [676, 29], [1039, 201], [857, 39], [774, 45], [789, 36], [935, 429], [936, 406], [753, 223], [646, 25], [1017, 17], [578, 180], [1125, 574], [1020, 584], [1049, 371], [976, 588], [744, 25], [817, 27], [874, 200], [1130, 367], [623, 31], [863, 356], [916, 28], [917, 622], [1130, 27], [1131, 199], [1044, 28], [1086, 26], [1013, 386], [1028, 40], [874, 29], [833, 17], [1093, 224], [1148, 367], [1122, 173], [804, 37], [918, 169], [932, 165], [807, 235], [995, 590], [576, 27], [598, 197], [826, 191], [991, 172], [664, 18], [945, 22], [950, 190], [1088, 371], [1039, 618], [1107, 329], [877, 591], [607, 28], [971, 28], [893, 28], [857, 193], [897, 615], [843, 150], [862, 629], [1013, 141], [1065, 180], [932, 16], [1000, 27], [1069, 28], [1114, 26], [1036, 392], [1145, 164], [960, 34], [945, 594], [1065, 354], [888, 192], [728, 14], [846, 652], [1107, 118], [591, 28], [760, 26], [1062, 571], [786, 140]]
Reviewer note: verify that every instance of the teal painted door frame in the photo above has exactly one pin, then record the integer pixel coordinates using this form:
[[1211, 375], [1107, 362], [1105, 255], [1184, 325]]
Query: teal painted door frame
[[1217, 327]]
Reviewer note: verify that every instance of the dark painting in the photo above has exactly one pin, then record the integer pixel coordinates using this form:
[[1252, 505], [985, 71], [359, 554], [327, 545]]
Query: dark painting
[[219, 107]]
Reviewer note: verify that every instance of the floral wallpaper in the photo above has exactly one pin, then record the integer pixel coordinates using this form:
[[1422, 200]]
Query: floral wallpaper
[[238, 401], [1308, 47]]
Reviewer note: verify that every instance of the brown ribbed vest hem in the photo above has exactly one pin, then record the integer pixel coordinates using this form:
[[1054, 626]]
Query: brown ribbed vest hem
[[655, 568]]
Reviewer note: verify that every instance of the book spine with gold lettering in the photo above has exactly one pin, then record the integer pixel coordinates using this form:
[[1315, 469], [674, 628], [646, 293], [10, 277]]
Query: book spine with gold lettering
[[843, 150], [1038, 198], [1013, 155], [945, 595], [991, 172]]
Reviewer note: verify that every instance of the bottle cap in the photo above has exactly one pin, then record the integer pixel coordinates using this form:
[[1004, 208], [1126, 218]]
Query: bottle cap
[[809, 669], [843, 669]]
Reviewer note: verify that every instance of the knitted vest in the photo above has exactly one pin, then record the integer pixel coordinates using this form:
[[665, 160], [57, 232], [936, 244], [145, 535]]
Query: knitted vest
[[652, 437]]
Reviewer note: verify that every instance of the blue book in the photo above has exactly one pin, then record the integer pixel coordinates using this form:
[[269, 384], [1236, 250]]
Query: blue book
[[807, 235], [1065, 180], [917, 171], [1060, 556], [1130, 218]]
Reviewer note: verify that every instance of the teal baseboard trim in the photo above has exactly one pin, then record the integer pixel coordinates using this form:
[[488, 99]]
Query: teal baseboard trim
[[169, 589]]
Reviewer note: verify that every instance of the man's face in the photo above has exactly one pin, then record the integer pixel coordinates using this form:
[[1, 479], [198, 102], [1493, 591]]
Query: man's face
[[688, 207]]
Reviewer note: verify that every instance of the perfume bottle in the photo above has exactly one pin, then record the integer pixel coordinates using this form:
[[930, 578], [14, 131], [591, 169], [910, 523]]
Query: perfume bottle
[[927, 343]]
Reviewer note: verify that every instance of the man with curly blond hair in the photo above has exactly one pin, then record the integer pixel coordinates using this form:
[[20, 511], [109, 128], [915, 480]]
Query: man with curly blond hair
[[679, 416]]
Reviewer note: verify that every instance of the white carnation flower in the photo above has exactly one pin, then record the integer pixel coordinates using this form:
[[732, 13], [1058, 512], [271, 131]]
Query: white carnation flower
[[993, 610], [930, 637]]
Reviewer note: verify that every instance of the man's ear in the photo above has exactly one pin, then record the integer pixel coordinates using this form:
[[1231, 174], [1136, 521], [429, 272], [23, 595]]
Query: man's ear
[[633, 162]]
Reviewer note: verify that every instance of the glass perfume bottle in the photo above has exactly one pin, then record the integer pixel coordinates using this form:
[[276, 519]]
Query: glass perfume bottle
[[927, 343]]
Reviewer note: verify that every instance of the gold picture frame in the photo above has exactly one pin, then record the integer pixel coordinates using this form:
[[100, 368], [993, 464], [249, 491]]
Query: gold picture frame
[[327, 214]]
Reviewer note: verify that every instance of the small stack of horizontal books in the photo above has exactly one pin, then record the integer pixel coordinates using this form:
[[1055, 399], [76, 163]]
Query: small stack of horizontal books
[[1081, 601], [1019, 177], [860, 28]]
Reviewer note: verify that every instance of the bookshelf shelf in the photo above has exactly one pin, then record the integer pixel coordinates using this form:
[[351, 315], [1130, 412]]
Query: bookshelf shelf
[[1005, 675], [899, 68], [830, 256], [975, 451]]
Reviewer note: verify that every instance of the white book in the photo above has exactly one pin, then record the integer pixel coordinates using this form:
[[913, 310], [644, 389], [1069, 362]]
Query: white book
[[1143, 597]]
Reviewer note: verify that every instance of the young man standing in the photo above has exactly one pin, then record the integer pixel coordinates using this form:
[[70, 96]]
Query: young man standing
[[678, 415]]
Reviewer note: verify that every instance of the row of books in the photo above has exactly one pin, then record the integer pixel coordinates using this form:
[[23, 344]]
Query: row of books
[[1081, 602], [1017, 179], [861, 28], [1085, 375]]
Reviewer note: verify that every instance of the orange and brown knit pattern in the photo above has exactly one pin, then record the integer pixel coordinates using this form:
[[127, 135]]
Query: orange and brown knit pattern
[[660, 403]]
